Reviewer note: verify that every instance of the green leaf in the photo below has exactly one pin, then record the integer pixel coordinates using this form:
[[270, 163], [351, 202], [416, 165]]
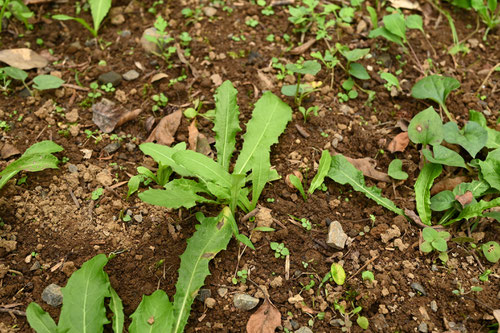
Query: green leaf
[[477, 187], [493, 141], [414, 22], [15, 73], [351, 55], [395, 23], [429, 234], [62, 17], [383, 32], [396, 170], [435, 88], [363, 322], [289, 90], [261, 167], [295, 181], [308, 67], [422, 190], [344, 172], [338, 274], [226, 123], [116, 306], [475, 209], [490, 168], [442, 201], [177, 193], [426, 128], [323, 168], [203, 167], [443, 155], [491, 251], [153, 315], [163, 154], [83, 307], [46, 82], [391, 79], [472, 137], [211, 237], [40, 320], [269, 119], [440, 244], [133, 184], [358, 71], [99, 10], [367, 275], [426, 247]]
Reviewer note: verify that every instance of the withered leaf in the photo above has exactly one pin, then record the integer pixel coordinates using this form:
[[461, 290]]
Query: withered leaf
[[448, 184], [164, 132], [399, 142], [367, 166], [465, 198], [158, 77], [303, 48], [197, 141], [107, 117], [23, 58], [8, 150], [265, 320]]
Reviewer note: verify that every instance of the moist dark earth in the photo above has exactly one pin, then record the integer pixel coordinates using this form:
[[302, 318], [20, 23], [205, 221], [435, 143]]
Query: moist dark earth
[[51, 213]]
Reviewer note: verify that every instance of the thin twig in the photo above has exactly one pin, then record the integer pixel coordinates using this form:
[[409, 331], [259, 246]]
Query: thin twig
[[487, 77], [16, 312], [363, 267]]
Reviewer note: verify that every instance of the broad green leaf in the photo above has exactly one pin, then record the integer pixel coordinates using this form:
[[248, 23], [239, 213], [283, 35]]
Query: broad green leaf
[[474, 210], [43, 147], [46, 82], [426, 247], [493, 215], [442, 201], [395, 23], [440, 244], [429, 234], [153, 315], [163, 154], [203, 167], [435, 87], [116, 306], [422, 190], [99, 10], [472, 137], [395, 170], [62, 17], [308, 67], [133, 184], [363, 322], [414, 22], [83, 308], [289, 90], [323, 168], [338, 273], [493, 135], [383, 32], [295, 181], [261, 167], [391, 79], [212, 236], [490, 168], [177, 193], [426, 128], [15, 73], [40, 320], [269, 119], [491, 251], [351, 55], [344, 172], [226, 123], [477, 187], [358, 71], [443, 155]]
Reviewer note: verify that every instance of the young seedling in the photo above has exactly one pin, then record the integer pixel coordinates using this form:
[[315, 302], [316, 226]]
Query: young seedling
[[299, 91], [488, 14], [40, 82], [161, 101], [436, 88], [307, 112], [98, 8], [16, 8], [146, 176], [306, 224], [241, 277], [162, 40], [295, 181], [280, 250], [395, 170]]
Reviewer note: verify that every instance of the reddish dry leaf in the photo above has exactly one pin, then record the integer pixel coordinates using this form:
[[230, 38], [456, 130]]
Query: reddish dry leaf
[[496, 314], [165, 130], [128, 116], [448, 184], [197, 141], [399, 142], [8, 150], [107, 117], [367, 166], [265, 320], [465, 198], [299, 50]]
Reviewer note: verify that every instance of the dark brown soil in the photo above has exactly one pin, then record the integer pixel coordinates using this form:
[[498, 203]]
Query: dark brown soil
[[42, 216]]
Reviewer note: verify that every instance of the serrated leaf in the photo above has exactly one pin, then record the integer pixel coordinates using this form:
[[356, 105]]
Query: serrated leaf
[[395, 23], [344, 172], [177, 193], [337, 273], [422, 190], [442, 201], [116, 307], [163, 154], [99, 9], [395, 170], [490, 168], [203, 167], [323, 168], [426, 128], [472, 137], [211, 237], [83, 308], [493, 141], [435, 87], [46, 82], [269, 119], [445, 156], [414, 22], [226, 123], [475, 210], [40, 320], [358, 71], [153, 315]]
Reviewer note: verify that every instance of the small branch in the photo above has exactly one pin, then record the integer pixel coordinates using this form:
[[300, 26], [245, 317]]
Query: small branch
[[363, 267]]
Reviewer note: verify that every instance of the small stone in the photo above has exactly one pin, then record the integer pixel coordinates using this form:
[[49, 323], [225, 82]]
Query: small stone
[[130, 146], [112, 147], [110, 77], [336, 236], [245, 302], [72, 116], [210, 302], [72, 168], [209, 11], [294, 324], [131, 75], [418, 287], [104, 178], [422, 328], [125, 33], [36, 266], [434, 306], [52, 295], [304, 329], [390, 234], [138, 218], [336, 322], [117, 19], [68, 268], [148, 45], [222, 292], [203, 294], [277, 282]]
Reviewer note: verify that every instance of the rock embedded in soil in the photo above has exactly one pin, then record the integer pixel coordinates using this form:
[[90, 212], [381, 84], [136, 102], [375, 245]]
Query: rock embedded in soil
[[222, 292], [336, 236], [423, 328], [434, 306], [245, 302], [203, 294], [209, 11], [147, 45], [52, 295], [112, 147], [104, 178], [72, 116], [210, 302], [131, 75], [110, 77], [418, 287]]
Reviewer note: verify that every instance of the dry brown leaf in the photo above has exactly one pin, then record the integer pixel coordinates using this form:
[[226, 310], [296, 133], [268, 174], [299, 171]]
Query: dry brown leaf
[[399, 142], [216, 79], [197, 141], [367, 166], [128, 116], [8, 150], [496, 314], [266, 82], [448, 184], [107, 117], [265, 320], [165, 130], [23, 58], [303, 48], [465, 198], [158, 77], [406, 4], [149, 123]]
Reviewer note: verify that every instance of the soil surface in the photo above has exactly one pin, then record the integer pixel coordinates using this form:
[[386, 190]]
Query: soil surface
[[50, 225]]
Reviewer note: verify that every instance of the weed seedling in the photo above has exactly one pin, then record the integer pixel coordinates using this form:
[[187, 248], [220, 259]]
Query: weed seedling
[[241, 276], [162, 40], [96, 194], [299, 91], [161, 101], [17, 9], [98, 8], [280, 250]]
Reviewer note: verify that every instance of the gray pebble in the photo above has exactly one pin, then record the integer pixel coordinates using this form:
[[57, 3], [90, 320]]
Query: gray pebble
[[294, 324], [91, 42], [36, 266], [245, 302], [110, 77], [112, 147], [130, 146], [125, 33], [422, 328], [72, 168], [138, 218], [203, 294], [434, 306], [418, 287], [131, 75], [52, 295], [336, 236]]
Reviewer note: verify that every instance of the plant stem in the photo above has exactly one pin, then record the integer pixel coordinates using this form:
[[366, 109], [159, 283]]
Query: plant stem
[[448, 114], [297, 100], [4, 7]]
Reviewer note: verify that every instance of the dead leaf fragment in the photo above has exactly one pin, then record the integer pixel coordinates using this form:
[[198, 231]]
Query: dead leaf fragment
[[303, 48], [8, 150], [197, 141], [216, 79], [87, 153], [265, 320], [406, 4], [263, 219], [399, 142], [448, 184], [165, 130], [158, 77], [266, 82], [23, 58], [367, 166], [128, 116], [496, 314], [465, 198], [107, 117]]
